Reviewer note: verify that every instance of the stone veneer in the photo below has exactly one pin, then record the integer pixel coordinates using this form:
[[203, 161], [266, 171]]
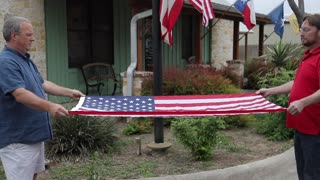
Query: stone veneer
[[221, 43], [34, 11]]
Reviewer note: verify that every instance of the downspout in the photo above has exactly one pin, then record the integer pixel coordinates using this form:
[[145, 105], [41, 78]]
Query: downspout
[[133, 37]]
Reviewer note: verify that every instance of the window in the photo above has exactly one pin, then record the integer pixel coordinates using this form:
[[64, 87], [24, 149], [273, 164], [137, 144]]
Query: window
[[188, 36], [90, 31]]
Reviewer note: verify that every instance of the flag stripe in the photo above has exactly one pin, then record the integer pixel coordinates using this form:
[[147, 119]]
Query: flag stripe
[[171, 106], [169, 14], [205, 7]]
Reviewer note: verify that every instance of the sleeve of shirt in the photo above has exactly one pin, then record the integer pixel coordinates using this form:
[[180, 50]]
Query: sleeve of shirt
[[11, 76]]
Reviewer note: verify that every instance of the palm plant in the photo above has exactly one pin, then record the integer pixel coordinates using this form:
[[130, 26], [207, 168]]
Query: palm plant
[[283, 55]]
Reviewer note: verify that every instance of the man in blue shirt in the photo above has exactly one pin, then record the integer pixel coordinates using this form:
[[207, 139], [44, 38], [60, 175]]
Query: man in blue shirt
[[25, 112]]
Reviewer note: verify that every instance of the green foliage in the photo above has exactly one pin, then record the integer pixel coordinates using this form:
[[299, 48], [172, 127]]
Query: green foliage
[[238, 121], [269, 80], [195, 80], [93, 168], [278, 57], [198, 135], [273, 125], [281, 54], [138, 126], [253, 69], [2, 173], [81, 136]]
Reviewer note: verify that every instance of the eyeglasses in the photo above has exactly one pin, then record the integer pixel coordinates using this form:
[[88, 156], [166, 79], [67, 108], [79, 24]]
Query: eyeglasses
[[304, 30]]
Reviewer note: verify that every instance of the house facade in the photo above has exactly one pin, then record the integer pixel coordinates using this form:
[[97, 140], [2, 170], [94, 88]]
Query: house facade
[[71, 33]]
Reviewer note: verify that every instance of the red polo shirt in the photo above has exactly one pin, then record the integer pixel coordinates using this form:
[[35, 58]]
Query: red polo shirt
[[306, 82]]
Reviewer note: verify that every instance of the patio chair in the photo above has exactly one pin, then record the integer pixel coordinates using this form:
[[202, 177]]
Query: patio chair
[[99, 75]]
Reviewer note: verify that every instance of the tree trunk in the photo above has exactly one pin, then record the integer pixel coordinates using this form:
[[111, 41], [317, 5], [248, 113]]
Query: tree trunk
[[298, 11]]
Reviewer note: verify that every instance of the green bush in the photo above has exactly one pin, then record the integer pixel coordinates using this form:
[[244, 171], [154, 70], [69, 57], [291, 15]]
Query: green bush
[[253, 70], [195, 80], [278, 56], [138, 126], [198, 135], [281, 54], [273, 125], [238, 121], [81, 136]]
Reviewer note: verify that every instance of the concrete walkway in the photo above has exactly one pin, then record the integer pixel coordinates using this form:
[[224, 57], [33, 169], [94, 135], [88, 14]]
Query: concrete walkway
[[279, 167]]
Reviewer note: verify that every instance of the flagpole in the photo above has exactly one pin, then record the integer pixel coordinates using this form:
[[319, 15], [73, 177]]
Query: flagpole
[[244, 35], [157, 67], [158, 144], [223, 14], [268, 36]]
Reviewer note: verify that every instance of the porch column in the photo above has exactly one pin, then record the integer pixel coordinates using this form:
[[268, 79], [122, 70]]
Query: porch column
[[236, 40], [261, 35]]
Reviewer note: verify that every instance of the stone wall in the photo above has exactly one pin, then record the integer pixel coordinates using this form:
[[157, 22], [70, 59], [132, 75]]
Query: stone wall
[[138, 78], [34, 11], [221, 43]]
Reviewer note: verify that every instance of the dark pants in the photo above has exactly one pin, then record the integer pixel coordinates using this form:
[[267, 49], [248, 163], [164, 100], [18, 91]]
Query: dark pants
[[307, 152]]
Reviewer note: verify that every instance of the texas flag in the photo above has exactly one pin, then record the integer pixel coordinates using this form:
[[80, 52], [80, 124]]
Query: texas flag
[[169, 14], [247, 9]]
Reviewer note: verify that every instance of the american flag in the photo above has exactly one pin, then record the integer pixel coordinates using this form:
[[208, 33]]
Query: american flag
[[204, 7], [169, 14], [174, 106]]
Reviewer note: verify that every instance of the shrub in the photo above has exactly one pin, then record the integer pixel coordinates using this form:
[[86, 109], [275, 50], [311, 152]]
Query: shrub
[[195, 80], [138, 126], [81, 136], [198, 135], [273, 125], [253, 70], [280, 54], [238, 121]]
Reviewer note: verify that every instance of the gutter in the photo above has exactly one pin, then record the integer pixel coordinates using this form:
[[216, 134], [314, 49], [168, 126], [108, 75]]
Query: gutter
[[133, 38]]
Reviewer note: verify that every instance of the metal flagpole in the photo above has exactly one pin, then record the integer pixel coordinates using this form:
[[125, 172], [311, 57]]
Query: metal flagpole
[[157, 66], [267, 37], [159, 144], [244, 35]]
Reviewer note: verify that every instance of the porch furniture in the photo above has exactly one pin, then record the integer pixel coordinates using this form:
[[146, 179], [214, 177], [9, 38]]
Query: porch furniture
[[100, 76]]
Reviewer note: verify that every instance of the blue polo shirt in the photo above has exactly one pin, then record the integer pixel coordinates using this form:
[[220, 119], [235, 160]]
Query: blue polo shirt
[[19, 123]]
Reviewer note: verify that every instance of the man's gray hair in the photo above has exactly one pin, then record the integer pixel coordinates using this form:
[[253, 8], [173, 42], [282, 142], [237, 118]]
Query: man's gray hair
[[12, 24]]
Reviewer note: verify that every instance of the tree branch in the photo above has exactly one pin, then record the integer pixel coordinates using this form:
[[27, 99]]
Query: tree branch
[[297, 11]]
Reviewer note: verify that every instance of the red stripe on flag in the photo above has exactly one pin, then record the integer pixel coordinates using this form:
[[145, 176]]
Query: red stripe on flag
[[205, 7], [192, 105], [169, 14]]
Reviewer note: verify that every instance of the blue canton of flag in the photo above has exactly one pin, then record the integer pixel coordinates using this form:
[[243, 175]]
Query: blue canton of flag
[[276, 16], [120, 103]]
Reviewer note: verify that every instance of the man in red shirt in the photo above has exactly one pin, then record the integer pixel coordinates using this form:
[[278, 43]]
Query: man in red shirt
[[303, 113]]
